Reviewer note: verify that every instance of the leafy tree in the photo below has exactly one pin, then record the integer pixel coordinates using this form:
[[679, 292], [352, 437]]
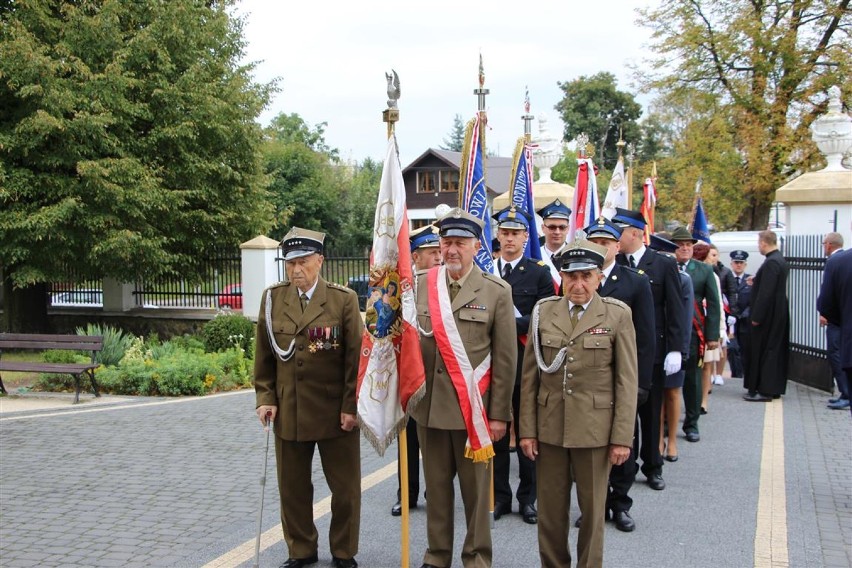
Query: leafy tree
[[764, 67], [593, 105], [128, 140], [359, 215], [455, 138], [293, 128], [565, 170]]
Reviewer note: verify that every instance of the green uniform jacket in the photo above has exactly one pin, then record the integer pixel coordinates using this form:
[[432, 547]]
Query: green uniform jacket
[[705, 288], [590, 400], [485, 318], [310, 389]]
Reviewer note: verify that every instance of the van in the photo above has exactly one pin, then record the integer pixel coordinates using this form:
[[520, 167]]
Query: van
[[727, 241]]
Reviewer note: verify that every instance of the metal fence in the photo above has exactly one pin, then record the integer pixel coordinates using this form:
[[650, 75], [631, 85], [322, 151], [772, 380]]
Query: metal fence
[[220, 286], [808, 357]]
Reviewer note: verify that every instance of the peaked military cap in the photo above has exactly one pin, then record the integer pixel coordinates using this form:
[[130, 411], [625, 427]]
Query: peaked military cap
[[739, 255], [580, 255], [424, 237], [681, 234], [603, 228], [300, 242], [459, 223], [512, 217], [628, 218], [662, 244], [555, 210]]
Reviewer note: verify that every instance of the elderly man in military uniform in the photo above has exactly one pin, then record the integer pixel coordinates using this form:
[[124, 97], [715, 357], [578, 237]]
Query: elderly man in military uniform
[[425, 253], [578, 403], [468, 339], [631, 286], [306, 371], [530, 282], [554, 226]]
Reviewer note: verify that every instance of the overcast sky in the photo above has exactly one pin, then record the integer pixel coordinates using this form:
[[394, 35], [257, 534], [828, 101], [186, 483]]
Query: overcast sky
[[330, 57]]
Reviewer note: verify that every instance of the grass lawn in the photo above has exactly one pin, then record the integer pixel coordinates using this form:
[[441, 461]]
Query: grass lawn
[[13, 380]]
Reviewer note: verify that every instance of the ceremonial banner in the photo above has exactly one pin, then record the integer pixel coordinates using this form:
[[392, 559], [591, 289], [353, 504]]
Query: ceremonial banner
[[390, 374], [616, 195], [522, 192], [700, 229], [649, 203], [586, 206], [474, 197]]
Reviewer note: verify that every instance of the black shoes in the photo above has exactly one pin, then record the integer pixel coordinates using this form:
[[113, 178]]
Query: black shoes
[[756, 397], [396, 510], [343, 563], [501, 509], [703, 411], [655, 482], [692, 437], [530, 514], [579, 521], [300, 562], [669, 458], [623, 521]]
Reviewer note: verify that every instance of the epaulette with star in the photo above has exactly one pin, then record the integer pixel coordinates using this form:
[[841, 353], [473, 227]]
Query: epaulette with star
[[635, 270], [613, 301], [340, 287], [541, 263]]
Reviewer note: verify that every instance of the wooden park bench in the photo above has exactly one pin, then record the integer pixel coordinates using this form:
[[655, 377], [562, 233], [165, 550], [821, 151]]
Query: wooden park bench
[[28, 341]]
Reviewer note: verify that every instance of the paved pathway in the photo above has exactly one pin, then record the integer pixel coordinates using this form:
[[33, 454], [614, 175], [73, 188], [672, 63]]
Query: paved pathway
[[175, 482]]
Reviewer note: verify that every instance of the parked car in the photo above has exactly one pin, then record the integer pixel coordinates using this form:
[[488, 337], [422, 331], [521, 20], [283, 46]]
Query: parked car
[[78, 298], [361, 285], [231, 297]]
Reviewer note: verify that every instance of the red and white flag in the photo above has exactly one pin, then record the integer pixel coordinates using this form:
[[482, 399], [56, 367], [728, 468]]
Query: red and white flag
[[586, 206], [649, 203], [391, 378]]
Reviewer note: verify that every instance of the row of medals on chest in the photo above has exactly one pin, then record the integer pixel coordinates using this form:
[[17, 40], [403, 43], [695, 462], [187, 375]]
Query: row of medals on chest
[[323, 338]]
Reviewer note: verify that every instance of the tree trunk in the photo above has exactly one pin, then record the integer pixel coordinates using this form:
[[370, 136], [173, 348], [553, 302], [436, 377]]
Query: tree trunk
[[25, 309]]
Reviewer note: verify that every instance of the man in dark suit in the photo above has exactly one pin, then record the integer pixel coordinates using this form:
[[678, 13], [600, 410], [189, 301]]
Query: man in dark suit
[[740, 344], [668, 333], [705, 327], [832, 244], [530, 282], [554, 227], [770, 324], [469, 344], [578, 403], [835, 303], [631, 286], [306, 370]]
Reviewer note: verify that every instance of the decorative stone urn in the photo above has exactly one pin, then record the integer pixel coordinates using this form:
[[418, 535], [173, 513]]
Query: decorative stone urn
[[832, 132]]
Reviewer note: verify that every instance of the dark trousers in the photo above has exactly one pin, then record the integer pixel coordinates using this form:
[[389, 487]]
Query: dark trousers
[[692, 389], [744, 340], [413, 454], [832, 336], [526, 469], [734, 358]]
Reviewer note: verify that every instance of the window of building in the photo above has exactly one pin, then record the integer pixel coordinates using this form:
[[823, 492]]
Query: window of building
[[434, 181], [427, 182], [449, 181]]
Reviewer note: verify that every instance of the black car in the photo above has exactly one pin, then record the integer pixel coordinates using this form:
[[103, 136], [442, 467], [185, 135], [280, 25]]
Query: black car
[[361, 285]]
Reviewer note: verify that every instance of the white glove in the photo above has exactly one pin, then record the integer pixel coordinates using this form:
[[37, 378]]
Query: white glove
[[672, 363], [731, 321]]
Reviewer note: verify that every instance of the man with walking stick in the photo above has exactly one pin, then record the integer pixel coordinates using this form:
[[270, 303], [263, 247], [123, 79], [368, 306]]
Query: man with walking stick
[[306, 370]]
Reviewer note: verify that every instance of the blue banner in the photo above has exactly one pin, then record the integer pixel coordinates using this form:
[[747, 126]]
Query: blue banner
[[700, 229], [522, 198], [475, 194]]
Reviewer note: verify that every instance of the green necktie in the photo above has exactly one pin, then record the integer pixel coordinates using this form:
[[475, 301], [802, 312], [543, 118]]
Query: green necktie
[[575, 314], [454, 290], [303, 299]]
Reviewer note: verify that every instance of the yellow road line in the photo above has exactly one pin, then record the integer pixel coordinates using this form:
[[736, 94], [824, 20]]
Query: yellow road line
[[245, 551], [770, 537]]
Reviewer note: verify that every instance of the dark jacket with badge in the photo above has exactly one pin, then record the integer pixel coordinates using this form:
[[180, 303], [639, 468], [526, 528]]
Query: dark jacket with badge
[[530, 282], [485, 318], [319, 380], [668, 309], [632, 287], [590, 400]]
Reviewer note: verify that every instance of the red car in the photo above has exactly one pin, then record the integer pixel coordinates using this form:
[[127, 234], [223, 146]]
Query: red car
[[231, 297]]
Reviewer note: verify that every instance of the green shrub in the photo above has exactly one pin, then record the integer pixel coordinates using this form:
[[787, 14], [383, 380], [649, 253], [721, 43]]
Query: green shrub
[[226, 331], [56, 382], [65, 356], [116, 342]]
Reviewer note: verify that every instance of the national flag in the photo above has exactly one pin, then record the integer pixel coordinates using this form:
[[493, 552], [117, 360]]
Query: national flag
[[522, 192], [700, 229], [391, 378], [649, 203], [586, 205], [616, 195], [474, 195]]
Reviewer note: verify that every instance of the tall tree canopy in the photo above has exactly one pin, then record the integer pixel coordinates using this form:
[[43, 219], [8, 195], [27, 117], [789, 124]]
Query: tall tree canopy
[[455, 138], [763, 68], [128, 139], [593, 105]]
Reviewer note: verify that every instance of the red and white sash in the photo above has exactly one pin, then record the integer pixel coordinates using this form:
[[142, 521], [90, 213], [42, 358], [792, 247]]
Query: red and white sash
[[470, 383]]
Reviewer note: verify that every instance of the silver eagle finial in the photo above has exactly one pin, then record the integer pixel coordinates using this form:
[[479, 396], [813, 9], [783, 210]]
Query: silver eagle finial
[[393, 88]]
